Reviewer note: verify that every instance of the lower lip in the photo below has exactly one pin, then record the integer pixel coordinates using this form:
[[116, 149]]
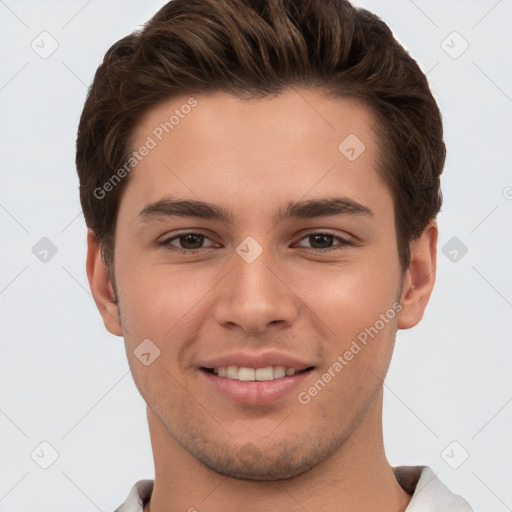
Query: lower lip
[[257, 392]]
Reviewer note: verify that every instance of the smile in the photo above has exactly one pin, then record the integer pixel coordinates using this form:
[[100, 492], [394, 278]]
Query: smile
[[246, 374]]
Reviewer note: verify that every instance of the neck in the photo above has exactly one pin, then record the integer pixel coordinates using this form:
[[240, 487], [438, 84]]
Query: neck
[[357, 477]]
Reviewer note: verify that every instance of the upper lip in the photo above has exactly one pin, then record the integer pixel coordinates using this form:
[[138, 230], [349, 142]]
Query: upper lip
[[256, 360]]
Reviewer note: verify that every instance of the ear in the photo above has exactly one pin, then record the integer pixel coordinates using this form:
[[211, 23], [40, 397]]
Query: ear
[[101, 286], [419, 278]]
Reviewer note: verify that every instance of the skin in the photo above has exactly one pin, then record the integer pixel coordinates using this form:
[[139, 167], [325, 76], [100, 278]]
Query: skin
[[251, 157]]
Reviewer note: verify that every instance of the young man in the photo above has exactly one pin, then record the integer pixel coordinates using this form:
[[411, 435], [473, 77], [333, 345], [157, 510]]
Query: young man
[[260, 179]]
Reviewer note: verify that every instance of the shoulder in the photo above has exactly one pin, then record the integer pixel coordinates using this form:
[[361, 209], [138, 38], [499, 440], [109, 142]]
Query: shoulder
[[429, 493], [138, 497]]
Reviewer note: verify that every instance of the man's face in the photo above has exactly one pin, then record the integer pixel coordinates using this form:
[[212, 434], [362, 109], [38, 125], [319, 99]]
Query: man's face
[[211, 299]]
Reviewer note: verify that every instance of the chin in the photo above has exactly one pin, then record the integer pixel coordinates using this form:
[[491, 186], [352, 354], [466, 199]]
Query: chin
[[267, 470], [278, 462]]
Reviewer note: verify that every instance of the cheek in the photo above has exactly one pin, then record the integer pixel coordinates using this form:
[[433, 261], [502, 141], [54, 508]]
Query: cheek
[[358, 350], [155, 297], [158, 305], [359, 304], [168, 306], [350, 298]]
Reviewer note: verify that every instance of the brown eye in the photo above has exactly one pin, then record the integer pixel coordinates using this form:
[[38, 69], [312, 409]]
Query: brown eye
[[191, 241], [319, 241], [187, 242]]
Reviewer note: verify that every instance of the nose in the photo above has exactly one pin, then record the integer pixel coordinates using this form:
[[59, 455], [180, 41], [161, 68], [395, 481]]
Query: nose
[[256, 296]]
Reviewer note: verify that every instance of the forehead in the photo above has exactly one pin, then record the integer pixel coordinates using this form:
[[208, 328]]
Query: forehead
[[257, 151], [294, 113]]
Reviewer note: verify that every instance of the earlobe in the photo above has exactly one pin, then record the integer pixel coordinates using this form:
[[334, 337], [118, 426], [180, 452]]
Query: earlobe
[[419, 278], [101, 287]]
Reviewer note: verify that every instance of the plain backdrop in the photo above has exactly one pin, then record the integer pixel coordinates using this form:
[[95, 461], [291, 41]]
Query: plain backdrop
[[64, 380]]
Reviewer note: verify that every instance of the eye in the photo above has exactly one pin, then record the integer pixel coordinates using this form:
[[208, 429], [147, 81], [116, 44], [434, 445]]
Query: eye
[[190, 242], [321, 241]]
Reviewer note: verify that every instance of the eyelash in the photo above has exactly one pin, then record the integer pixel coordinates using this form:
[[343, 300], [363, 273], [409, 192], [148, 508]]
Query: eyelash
[[168, 246]]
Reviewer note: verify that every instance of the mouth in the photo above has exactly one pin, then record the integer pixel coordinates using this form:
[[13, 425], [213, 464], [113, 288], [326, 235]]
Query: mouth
[[246, 374], [244, 385]]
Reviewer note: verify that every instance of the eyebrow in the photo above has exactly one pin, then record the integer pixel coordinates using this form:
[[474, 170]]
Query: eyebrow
[[312, 208]]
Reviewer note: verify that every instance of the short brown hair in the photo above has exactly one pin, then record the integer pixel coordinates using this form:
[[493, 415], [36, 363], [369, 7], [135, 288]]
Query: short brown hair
[[254, 48]]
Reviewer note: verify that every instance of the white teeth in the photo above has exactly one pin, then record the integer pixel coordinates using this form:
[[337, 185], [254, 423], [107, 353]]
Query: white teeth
[[279, 371], [246, 374], [264, 373], [232, 372]]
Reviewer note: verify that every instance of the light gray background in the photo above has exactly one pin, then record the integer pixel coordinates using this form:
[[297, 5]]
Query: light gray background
[[64, 379]]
